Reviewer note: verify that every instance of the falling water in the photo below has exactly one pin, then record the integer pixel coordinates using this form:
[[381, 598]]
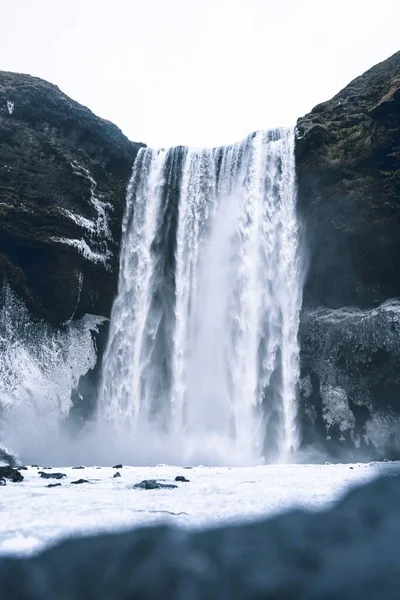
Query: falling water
[[203, 338]]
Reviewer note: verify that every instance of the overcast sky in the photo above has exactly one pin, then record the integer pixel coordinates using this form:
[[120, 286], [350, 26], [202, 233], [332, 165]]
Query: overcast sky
[[197, 72]]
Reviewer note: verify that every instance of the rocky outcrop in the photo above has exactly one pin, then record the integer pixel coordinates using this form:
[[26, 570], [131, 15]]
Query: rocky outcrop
[[348, 160], [349, 552], [348, 168], [63, 174]]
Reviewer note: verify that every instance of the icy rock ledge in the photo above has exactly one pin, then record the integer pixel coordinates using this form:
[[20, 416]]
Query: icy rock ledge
[[349, 552]]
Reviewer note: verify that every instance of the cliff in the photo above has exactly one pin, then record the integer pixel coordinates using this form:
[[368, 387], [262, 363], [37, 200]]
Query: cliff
[[348, 168], [63, 174]]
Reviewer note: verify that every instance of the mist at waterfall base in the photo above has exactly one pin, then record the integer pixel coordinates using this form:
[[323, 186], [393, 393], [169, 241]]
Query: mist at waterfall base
[[202, 363]]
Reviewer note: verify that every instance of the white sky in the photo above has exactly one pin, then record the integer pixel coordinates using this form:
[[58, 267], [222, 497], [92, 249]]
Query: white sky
[[198, 72]]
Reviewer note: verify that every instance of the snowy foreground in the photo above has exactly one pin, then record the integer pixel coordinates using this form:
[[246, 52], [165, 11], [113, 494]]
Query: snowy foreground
[[32, 515]]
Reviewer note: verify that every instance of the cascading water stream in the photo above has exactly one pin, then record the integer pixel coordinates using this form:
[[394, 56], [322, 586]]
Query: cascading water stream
[[203, 338]]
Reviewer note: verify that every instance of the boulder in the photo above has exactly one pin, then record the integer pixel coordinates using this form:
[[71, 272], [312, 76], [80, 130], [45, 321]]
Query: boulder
[[12, 474]]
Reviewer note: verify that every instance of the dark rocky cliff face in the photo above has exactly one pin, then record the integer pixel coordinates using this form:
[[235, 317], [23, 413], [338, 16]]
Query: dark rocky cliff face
[[63, 174], [348, 162]]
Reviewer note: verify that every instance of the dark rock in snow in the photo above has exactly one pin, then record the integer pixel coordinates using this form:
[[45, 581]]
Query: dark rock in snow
[[78, 467], [12, 474], [117, 467], [349, 551], [2, 481], [153, 484], [79, 481], [182, 478], [51, 475], [53, 485], [117, 474]]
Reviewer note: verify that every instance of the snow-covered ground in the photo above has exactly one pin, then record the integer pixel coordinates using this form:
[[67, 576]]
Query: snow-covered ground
[[32, 515]]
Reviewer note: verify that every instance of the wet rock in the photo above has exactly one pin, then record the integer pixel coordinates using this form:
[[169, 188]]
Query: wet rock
[[117, 474], [12, 474], [51, 475], [53, 485], [79, 481], [182, 479], [153, 484], [2, 481], [117, 467]]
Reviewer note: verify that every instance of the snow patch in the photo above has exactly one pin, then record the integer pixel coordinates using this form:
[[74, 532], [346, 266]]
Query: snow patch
[[101, 226], [84, 249], [79, 220]]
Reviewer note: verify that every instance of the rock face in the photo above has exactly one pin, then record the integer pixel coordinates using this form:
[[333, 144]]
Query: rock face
[[63, 174], [349, 552], [348, 168]]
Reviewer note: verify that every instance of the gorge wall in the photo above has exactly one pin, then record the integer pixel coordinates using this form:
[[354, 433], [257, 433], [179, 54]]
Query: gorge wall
[[348, 166], [63, 177], [63, 174]]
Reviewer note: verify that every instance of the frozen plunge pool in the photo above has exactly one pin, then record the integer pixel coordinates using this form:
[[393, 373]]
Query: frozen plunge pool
[[32, 515]]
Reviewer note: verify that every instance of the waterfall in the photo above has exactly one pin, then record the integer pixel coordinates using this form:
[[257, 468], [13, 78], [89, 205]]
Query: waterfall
[[203, 338]]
